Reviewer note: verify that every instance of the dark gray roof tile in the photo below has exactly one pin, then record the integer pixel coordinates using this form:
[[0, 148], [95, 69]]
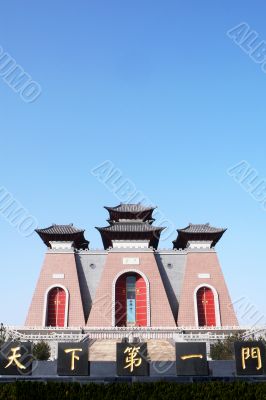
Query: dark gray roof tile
[[131, 208], [60, 229], [201, 228], [130, 227], [63, 233]]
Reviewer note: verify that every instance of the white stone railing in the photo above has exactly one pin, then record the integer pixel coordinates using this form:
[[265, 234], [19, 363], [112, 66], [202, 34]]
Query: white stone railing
[[134, 328], [78, 334], [46, 328], [255, 332], [180, 334]]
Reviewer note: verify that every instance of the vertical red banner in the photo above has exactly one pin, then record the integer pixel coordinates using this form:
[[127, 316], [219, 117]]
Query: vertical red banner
[[141, 302]]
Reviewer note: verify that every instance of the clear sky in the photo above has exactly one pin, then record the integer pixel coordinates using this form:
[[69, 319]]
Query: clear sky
[[159, 89]]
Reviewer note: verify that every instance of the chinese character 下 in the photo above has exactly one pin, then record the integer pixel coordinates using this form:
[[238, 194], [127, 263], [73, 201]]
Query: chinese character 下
[[73, 357]]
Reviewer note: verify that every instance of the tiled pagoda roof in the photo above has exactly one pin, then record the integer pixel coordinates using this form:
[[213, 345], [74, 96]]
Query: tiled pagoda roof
[[130, 222], [131, 227], [63, 233], [134, 208], [130, 211], [198, 232]]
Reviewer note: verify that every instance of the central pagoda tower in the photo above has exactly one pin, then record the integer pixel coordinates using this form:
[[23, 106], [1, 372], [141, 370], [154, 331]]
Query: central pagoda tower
[[130, 226], [131, 291]]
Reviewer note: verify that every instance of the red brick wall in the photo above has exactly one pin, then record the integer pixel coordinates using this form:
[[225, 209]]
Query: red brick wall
[[204, 262], [101, 312], [57, 263]]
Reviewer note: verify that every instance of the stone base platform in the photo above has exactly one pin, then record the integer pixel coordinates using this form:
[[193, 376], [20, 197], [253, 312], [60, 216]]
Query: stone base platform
[[158, 350]]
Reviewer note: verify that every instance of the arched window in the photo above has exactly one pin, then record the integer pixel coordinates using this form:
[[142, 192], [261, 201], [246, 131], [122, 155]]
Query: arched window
[[130, 300], [206, 307], [56, 307]]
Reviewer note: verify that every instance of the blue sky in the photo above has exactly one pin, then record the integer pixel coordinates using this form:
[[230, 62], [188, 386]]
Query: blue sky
[[157, 88]]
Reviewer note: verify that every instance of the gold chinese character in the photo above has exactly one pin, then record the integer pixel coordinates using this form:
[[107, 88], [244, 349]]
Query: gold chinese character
[[14, 358], [251, 352], [191, 356], [132, 360], [73, 357]]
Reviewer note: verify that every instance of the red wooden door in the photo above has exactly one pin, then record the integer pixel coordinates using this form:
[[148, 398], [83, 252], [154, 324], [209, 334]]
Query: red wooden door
[[56, 307], [121, 311], [120, 301], [141, 302], [206, 307]]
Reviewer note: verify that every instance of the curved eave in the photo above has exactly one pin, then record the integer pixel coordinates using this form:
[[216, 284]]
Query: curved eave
[[116, 215], [107, 236], [217, 231], [78, 238], [59, 227], [115, 209], [113, 221], [109, 229], [184, 237]]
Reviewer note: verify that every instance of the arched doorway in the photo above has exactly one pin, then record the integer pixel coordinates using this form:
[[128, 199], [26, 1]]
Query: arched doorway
[[56, 307], [206, 307], [130, 300]]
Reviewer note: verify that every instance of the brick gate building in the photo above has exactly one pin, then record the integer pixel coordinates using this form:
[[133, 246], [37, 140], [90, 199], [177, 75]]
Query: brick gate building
[[130, 282]]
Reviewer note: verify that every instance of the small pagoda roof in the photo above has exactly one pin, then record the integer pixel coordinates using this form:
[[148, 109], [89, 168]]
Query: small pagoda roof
[[201, 228], [134, 208], [63, 233], [131, 227], [135, 230], [130, 211], [198, 232]]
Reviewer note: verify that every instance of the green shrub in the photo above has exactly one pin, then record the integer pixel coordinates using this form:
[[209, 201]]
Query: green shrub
[[41, 351], [224, 349], [2, 333], [140, 391]]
